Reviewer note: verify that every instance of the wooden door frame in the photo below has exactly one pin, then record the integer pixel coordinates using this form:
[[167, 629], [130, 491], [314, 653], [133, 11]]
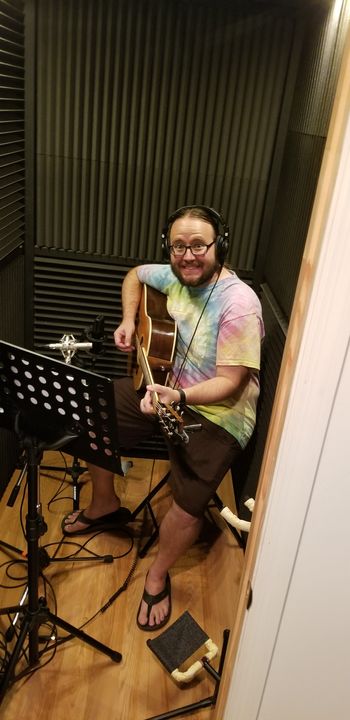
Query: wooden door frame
[[314, 243]]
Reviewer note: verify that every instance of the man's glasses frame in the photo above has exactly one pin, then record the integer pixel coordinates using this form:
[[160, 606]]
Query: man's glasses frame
[[197, 249]]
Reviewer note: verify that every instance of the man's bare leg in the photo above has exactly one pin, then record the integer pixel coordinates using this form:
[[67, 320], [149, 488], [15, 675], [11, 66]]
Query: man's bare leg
[[178, 531], [104, 500]]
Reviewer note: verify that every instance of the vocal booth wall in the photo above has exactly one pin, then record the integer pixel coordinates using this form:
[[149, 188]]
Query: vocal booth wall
[[139, 107], [12, 196]]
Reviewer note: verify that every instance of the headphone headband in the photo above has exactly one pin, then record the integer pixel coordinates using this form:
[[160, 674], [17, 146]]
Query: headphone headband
[[222, 239]]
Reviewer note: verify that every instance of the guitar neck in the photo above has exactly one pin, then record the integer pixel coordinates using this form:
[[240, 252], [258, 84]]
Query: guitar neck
[[144, 364], [146, 337], [147, 373]]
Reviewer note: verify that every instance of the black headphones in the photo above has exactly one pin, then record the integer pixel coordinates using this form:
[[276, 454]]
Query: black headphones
[[212, 216]]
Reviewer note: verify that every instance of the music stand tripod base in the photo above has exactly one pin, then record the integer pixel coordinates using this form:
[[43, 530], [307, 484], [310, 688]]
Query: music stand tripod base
[[50, 405]]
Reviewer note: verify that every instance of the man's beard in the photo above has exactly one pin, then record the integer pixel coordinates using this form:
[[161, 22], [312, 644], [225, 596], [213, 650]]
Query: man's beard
[[207, 275]]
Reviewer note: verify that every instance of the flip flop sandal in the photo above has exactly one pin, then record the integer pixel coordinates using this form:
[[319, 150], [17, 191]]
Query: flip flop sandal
[[105, 522], [151, 600]]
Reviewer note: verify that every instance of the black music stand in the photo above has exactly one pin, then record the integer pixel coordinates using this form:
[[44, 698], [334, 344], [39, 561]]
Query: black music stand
[[50, 405], [91, 339]]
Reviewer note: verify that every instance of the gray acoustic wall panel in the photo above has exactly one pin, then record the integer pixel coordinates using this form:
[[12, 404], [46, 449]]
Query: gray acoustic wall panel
[[12, 196], [146, 106]]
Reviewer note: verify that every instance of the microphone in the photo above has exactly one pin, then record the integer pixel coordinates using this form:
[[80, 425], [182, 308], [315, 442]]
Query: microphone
[[92, 340], [68, 346]]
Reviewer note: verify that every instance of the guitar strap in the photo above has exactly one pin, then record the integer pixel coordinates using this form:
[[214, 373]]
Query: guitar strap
[[178, 376]]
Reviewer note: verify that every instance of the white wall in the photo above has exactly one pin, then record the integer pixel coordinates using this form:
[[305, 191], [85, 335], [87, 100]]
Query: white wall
[[308, 675], [293, 660]]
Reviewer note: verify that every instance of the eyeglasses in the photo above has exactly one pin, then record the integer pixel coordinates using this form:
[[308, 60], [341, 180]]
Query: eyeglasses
[[197, 249]]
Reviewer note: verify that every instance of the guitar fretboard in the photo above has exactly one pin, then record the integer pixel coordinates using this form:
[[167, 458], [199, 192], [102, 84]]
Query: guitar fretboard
[[146, 370]]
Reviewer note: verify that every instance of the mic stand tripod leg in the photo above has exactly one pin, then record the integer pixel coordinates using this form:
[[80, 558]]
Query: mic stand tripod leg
[[12, 548]]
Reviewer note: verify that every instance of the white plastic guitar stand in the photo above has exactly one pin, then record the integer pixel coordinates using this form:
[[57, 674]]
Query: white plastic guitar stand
[[234, 520]]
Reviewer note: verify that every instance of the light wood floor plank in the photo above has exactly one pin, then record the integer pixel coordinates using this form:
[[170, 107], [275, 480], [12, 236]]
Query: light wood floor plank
[[80, 682]]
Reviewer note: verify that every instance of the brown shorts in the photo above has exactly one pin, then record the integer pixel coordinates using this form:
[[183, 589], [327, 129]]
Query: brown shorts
[[197, 467]]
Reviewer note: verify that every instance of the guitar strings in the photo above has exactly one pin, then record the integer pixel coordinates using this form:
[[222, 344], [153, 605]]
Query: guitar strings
[[147, 373]]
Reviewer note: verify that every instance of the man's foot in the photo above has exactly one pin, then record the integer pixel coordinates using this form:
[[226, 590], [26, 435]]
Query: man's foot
[[155, 607], [79, 523]]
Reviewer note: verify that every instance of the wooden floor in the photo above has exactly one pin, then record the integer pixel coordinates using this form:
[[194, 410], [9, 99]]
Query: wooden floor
[[78, 682]]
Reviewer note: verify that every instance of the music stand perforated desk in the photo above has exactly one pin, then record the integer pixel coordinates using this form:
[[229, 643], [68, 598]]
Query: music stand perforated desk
[[54, 396], [51, 405]]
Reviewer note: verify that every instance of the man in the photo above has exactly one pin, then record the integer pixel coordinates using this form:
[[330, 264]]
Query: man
[[215, 376]]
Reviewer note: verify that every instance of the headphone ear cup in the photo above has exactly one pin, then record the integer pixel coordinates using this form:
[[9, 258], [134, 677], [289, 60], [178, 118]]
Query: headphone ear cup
[[221, 248], [165, 247]]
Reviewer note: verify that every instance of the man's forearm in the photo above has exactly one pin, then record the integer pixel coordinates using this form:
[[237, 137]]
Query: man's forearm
[[216, 389], [131, 294], [229, 382]]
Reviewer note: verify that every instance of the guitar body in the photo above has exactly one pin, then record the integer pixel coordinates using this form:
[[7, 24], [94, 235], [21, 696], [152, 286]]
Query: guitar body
[[156, 336]]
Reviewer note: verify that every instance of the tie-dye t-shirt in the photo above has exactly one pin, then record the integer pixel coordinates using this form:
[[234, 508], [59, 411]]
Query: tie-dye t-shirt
[[229, 332]]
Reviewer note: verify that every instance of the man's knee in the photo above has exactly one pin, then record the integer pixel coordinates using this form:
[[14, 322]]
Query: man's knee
[[184, 518]]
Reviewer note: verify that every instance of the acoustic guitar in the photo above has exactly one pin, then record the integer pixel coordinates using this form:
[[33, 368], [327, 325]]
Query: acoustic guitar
[[155, 341]]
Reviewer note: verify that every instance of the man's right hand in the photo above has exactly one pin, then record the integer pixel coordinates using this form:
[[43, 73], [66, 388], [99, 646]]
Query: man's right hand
[[123, 336]]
